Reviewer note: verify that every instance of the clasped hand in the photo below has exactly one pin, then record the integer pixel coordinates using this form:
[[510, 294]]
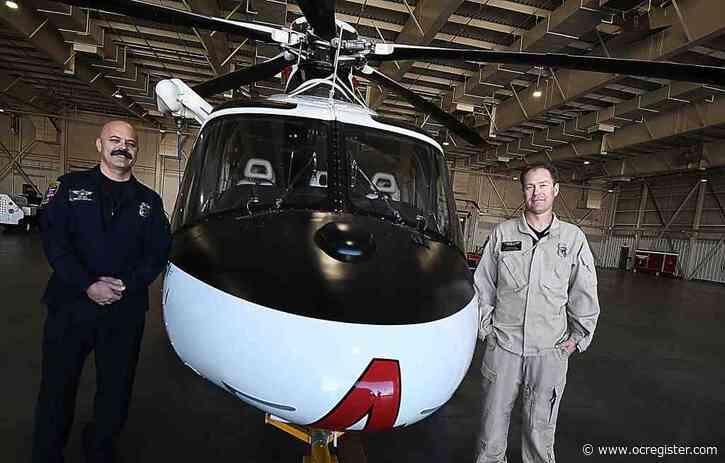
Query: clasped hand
[[106, 290]]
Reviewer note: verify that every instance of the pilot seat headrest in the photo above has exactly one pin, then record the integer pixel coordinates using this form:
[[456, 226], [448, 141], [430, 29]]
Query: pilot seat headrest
[[386, 183], [258, 172]]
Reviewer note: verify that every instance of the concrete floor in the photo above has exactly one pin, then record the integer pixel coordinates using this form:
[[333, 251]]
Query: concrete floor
[[653, 376]]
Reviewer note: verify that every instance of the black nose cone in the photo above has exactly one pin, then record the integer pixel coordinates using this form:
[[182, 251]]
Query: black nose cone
[[345, 242]]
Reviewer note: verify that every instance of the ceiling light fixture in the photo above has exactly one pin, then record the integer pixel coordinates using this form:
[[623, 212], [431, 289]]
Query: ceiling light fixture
[[537, 93], [118, 95], [11, 4], [586, 163]]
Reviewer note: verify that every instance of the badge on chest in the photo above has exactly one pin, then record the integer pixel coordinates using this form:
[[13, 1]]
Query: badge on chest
[[511, 246], [562, 250], [80, 195], [144, 210]]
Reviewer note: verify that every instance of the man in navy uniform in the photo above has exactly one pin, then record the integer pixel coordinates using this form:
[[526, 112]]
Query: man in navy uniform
[[106, 236]]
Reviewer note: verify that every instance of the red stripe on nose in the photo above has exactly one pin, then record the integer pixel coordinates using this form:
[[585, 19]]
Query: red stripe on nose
[[376, 394]]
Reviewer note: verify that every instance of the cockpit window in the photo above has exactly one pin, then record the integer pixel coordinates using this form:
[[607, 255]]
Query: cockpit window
[[256, 161], [398, 177]]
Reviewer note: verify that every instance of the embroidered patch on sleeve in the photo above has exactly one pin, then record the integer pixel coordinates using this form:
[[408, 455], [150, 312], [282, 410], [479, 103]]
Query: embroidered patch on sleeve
[[50, 193]]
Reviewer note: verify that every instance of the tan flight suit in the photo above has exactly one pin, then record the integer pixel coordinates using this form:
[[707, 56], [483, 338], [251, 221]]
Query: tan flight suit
[[532, 296]]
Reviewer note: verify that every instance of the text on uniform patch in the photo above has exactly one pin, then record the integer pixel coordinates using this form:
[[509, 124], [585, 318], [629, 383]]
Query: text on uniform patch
[[511, 246]]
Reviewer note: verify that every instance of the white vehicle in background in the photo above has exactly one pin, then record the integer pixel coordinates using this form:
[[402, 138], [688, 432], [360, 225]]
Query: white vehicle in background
[[20, 211], [12, 214]]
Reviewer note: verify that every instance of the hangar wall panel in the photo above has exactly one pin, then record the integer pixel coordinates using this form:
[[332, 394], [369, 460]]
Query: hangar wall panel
[[67, 145], [610, 247], [701, 246], [708, 260]]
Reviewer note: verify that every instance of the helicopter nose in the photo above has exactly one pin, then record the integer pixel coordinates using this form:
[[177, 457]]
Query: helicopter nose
[[323, 266], [345, 242]]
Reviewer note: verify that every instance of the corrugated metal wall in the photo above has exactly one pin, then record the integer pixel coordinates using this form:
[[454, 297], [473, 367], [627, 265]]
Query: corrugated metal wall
[[708, 260], [690, 221], [704, 260], [609, 249], [72, 147]]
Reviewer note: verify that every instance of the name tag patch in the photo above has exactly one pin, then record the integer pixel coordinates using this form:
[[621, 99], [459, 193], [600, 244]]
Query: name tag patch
[[511, 246], [80, 195]]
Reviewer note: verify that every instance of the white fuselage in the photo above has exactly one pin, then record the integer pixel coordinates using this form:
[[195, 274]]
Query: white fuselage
[[300, 368]]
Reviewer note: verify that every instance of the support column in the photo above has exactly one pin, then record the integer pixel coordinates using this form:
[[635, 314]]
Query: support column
[[63, 151], [608, 225], [696, 223], [640, 218]]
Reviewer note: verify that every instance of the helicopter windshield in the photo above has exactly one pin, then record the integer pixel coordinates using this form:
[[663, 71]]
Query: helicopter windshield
[[253, 162], [398, 177]]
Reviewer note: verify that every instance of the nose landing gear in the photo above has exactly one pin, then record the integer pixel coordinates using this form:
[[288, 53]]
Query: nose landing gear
[[319, 441]]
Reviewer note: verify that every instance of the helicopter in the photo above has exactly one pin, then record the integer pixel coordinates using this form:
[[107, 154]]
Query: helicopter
[[317, 270]]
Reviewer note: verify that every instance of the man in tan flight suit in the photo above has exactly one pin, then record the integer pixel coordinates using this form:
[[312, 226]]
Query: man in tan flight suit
[[537, 293]]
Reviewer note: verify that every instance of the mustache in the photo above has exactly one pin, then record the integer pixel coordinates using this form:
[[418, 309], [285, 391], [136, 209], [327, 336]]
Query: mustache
[[121, 152]]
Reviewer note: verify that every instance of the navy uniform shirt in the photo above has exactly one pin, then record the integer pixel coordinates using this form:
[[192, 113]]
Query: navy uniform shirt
[[91, 229]]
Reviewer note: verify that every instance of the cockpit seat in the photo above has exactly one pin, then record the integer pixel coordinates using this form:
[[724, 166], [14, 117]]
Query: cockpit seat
[[387, 185], [258, 172], [318, 179]]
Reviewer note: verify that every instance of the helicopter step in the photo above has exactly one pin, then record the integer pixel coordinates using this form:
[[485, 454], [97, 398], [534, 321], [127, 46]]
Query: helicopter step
[[319, 440]]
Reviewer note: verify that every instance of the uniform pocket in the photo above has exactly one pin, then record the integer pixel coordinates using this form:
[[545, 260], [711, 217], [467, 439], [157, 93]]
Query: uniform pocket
[[557, 294], [586, 268], [559, 273], [488, 373], [554, 402], [556, 283], [509, 272]]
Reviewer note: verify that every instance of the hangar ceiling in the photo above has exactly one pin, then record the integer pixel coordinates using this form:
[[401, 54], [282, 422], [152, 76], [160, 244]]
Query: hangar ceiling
[[57, 59]]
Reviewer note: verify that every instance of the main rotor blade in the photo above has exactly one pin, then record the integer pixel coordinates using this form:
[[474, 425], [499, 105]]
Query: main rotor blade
[[241, 77], [174, 17], [320, 14], [455, 126], [643, 68]]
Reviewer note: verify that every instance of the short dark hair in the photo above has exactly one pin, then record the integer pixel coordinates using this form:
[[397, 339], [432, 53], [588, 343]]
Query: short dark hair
[[553, 171]]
